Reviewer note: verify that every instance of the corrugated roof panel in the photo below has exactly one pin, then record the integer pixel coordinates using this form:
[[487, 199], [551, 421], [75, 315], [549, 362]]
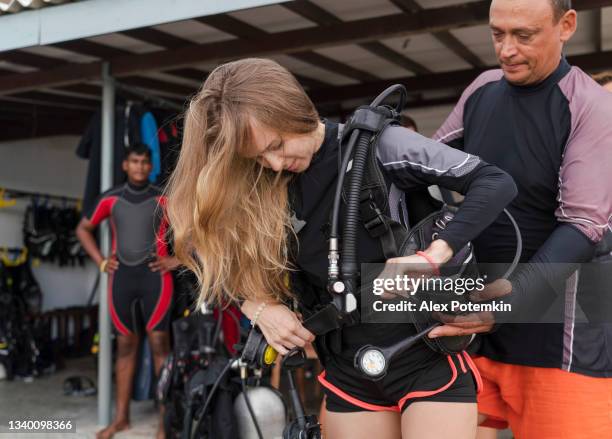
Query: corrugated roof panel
[[441, 3], [301, 68], [478, 40], [361, 59], [428, 51], [195, 31], [14, 6], [348, 10], [124, 42], [15, 67], [56, 52], [273, 19]]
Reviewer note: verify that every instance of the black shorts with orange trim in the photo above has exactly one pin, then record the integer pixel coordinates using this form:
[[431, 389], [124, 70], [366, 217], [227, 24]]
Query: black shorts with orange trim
[[137, 294], [419, 374]]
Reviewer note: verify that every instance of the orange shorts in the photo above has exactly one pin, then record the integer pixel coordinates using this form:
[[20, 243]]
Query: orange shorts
[[544, 403]]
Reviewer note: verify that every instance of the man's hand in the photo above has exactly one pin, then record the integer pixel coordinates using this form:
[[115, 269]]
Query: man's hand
[[164, 264], [111, 265], [472, 323]]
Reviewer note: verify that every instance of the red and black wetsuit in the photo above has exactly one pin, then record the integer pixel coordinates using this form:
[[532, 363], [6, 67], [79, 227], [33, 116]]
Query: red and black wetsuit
[[138, 227]]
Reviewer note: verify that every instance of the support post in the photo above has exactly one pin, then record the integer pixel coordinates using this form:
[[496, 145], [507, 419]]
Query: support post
[[105, 361]]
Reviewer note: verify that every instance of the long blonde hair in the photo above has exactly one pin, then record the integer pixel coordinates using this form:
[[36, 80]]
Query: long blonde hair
[[229, 215]]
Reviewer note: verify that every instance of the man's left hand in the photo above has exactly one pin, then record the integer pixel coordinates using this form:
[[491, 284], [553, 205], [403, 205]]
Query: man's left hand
[[163, 264], [473, 323]]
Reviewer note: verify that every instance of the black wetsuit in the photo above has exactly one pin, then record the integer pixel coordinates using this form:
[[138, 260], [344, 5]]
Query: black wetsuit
[[138, 228], [410, 163]]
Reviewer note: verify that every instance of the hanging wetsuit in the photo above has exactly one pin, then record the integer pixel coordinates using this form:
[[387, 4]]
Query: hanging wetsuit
[[139, 229], [410, 163]]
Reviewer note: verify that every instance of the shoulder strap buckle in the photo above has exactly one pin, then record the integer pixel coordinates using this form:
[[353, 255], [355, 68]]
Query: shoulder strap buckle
[[371, 216]]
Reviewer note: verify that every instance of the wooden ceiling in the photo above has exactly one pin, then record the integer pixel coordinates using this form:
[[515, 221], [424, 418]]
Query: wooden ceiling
[[342, 51]]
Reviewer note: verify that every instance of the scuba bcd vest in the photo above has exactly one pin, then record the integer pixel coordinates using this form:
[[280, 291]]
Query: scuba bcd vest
[[362, 187]]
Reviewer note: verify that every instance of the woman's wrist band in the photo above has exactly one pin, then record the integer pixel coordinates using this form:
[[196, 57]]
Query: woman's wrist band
[[103, 265], [260, 309], [434, 266]]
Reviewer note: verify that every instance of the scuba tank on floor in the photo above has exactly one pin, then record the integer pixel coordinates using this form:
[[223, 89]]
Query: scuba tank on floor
[[267, 407], [263, 419]]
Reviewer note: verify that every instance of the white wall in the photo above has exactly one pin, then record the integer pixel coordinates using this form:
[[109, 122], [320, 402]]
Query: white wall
[[48, 166]]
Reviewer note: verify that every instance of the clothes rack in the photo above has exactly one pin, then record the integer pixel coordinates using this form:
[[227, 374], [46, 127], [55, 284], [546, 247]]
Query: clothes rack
[[154, 100], [17, 193]]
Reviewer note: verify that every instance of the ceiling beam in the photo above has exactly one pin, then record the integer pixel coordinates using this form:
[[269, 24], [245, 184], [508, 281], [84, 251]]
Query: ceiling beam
[[233, 26], [445, 37], [439, 81], [324, 18], [415, 84], [238, 28], [91, 48], [428, 20], [85, 89], [64, 75], [52, 100], [189, 73], [330, 64], [30, 59], [155, 85], [156, 37]]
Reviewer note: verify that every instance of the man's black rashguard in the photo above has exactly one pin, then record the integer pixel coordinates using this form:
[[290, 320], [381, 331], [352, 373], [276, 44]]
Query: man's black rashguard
[[555, 140]]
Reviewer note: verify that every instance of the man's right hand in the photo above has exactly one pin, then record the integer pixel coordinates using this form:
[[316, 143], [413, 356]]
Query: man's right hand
[[280, 326], [111, 265]]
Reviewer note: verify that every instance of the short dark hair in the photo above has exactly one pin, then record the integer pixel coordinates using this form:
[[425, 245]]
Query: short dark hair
[[560, 7], [408, 122], [138, 149], [603, 78]]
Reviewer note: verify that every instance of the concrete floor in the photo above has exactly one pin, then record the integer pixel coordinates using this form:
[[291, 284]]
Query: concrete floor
[[43, 399]]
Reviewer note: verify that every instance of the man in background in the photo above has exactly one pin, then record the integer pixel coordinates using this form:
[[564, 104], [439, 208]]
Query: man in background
[[139, 270]]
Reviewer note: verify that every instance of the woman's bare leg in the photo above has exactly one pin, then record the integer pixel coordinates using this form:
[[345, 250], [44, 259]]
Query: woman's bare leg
[[362, 425], [435, 420]]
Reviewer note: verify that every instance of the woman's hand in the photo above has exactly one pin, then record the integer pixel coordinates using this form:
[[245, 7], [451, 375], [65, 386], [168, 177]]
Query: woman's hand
[[415, 266], [279, 325]]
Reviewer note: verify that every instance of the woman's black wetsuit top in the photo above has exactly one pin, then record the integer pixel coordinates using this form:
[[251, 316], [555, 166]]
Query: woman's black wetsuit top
[[410, 162]]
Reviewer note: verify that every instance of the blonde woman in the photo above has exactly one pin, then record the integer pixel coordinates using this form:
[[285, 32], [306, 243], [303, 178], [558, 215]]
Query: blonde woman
[[254, 154]]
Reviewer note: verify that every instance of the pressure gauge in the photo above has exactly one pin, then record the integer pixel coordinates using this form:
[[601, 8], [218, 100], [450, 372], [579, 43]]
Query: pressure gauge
[[371, 361]]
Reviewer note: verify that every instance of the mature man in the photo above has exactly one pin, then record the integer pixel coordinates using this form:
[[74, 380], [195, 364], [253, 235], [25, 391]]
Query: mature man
[[139, 272], [548, 125]]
